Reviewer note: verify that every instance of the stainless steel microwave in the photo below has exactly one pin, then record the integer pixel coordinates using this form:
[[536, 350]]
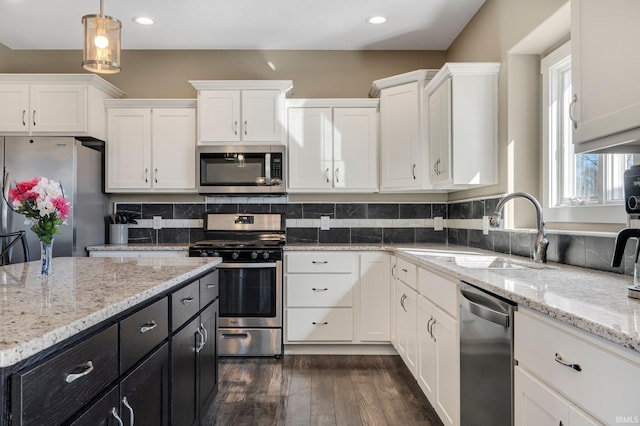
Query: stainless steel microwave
[[241, 169]]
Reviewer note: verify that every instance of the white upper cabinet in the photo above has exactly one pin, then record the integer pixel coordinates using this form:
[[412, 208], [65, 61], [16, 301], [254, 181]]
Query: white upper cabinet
[[232, 111], [332, 145], [403, 149], [604, 69], [463, 125], [54, 104], [151, 146]]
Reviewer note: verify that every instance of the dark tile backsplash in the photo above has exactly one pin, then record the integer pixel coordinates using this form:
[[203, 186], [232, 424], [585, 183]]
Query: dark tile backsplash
[[579, 250]]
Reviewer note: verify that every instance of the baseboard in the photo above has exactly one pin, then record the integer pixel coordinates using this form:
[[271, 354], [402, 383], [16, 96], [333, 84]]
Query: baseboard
[[318, 349]]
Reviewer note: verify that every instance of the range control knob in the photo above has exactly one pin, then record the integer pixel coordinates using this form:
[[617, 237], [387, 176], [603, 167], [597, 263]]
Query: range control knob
[[633, 202], [235, 255], [265, 255], [203, 254], [254, 255], [215, 254]]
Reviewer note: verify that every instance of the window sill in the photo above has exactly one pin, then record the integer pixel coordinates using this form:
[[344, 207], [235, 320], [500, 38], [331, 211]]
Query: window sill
[[586, 214]]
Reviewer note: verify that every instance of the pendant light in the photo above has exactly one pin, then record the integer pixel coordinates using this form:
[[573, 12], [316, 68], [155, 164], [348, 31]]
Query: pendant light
[[101, 43]]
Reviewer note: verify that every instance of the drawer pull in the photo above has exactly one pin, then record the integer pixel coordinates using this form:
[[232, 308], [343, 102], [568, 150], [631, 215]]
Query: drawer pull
[[320, 323], [211, 286], [115, 415], [319, 289], [130, 408], [187, 300], [559, 360], [235, 335], [405, 270], [319, 262], [148, 327], [71, 377]]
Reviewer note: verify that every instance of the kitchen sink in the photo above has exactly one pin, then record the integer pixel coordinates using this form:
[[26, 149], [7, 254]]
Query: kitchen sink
[[495, 262]]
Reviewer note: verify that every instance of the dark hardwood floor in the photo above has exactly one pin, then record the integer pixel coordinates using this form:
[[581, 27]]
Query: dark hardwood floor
[[303, 390]]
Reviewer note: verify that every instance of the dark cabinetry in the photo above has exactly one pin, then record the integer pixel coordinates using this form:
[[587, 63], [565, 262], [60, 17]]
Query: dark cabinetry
[[134, 369]]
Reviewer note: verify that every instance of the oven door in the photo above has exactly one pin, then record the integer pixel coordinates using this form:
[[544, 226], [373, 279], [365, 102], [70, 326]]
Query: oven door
[[250, 294]]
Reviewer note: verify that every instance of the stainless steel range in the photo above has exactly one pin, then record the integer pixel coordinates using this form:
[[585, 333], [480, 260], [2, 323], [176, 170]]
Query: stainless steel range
[[250, 246]]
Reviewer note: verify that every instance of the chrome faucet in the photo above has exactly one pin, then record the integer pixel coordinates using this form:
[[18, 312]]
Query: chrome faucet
[[541, 243]]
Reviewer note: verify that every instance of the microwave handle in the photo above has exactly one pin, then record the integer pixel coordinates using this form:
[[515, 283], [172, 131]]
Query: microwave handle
[[267, 167]]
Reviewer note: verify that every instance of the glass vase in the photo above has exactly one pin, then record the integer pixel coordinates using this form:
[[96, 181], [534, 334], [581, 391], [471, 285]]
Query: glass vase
[[46, 251]]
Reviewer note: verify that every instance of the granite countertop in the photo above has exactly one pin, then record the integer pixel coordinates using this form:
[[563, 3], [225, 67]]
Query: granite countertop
[[590, 300], [38, 312], [139, 247]]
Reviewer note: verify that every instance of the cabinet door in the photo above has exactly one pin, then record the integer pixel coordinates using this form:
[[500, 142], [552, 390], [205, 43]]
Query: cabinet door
[[174, 141], [105, 412], [184, 394], [310, 148], [128, 148], [407, 323], [219, 115], [208, 356], [355, 149], [427, 351], [261, 115], [144, 394], [58, 108], [440, 132], [606, 103], [374, 306], [14, 108], [445, 335], [393, 279], [535, 404], [400, 137]]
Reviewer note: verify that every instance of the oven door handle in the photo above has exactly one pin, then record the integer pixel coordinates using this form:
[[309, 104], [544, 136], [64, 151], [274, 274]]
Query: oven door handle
[[247, 265]]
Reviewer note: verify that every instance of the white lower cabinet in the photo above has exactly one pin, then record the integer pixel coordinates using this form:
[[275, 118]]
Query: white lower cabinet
[[562, 366], [438, 371], [393, 281], [407, 321], [374, 306]]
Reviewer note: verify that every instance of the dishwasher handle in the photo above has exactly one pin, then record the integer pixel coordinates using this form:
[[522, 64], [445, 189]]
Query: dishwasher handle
[[484, 312]]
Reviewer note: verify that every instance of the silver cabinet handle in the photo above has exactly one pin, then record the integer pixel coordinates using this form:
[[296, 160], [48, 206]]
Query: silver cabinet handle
[[337, 176], [245, 127], [201, 343], [148, 327], [187, 300], [319, 262], [319, 289], [206, 334], [211, 286], [402, 299], [235, 127], [320, 323], [146, 175], [559, 360], [429, 326], [34, 117], [431, 329], [405, 270], [156, 175], [326, 175], [24, 111], [130, 408], [413, 170], [574, 100], [72, 377], [115, 415]]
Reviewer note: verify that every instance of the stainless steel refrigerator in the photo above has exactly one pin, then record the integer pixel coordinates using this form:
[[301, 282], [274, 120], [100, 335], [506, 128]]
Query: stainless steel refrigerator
[[80, 170]]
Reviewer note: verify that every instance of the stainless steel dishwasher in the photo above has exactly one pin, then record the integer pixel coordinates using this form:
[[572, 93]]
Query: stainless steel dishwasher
[[486, 358]]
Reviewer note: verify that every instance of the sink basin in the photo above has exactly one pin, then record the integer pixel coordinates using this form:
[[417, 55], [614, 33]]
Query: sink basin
[[495, 262]]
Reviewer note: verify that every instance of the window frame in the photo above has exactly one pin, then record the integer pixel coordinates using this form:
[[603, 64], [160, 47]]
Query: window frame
[[587, 213]]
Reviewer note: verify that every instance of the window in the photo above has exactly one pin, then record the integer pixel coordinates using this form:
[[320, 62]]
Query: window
[[574, 181]]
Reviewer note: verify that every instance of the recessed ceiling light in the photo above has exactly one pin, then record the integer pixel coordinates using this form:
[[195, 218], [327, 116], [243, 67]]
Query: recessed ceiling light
[[376, 20], [143, 20]]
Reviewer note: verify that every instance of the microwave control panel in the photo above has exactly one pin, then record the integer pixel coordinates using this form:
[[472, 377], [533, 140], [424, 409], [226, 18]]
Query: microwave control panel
[[276, 166]]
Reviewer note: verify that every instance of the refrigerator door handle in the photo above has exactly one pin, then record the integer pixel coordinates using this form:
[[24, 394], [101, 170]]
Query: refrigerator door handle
[[6, 184]]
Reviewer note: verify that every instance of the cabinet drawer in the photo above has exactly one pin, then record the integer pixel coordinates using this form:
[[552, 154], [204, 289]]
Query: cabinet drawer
[[442, 291], [607, 384], [209, 288], [320, 290], [52, 391], [185, 303], [143, 331], [320, 325], [321, 262], [407, 273]]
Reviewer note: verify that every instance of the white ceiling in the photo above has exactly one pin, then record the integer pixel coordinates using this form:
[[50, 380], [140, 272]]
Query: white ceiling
[[242, 24]]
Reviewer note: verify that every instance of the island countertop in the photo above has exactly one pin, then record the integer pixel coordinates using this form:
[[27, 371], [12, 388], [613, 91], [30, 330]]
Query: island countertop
[[38, 312]]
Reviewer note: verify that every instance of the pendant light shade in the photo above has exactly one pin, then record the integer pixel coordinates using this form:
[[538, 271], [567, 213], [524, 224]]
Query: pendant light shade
[[101, 43]]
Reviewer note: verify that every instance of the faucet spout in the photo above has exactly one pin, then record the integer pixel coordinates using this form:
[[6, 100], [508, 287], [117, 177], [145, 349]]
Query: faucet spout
[[541, 243], [621, 242]]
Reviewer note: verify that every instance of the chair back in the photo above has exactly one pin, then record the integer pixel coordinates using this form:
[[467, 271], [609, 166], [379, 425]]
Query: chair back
[[9, 242]]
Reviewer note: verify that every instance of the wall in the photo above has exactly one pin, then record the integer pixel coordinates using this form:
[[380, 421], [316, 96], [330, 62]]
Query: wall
[[165, 73], [5, 58]]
